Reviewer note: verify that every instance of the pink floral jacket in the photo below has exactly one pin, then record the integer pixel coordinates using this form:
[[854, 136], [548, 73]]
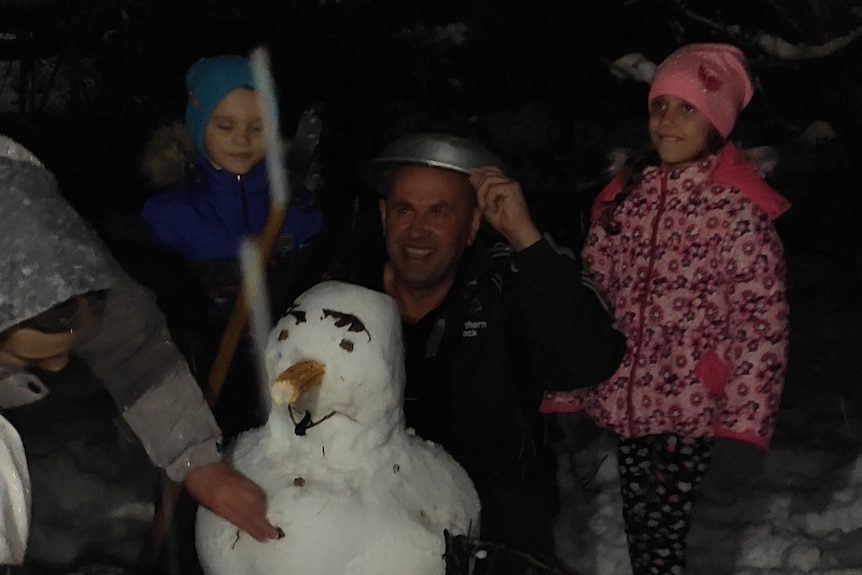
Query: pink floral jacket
[[695, 280]]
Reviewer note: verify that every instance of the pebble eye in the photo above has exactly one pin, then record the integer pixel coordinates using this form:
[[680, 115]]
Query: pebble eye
[[346, 345], [282, 335]]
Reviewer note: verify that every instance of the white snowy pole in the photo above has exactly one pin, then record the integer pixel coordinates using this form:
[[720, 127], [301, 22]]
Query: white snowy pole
[[265, 242], [275, 150], [254, 286]]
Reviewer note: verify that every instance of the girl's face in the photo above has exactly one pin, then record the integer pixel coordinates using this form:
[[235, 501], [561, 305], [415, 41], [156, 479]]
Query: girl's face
[[234, 138], [678, 131]]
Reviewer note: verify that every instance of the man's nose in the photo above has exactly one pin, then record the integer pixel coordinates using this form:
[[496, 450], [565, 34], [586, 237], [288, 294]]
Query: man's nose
[[419, 224]]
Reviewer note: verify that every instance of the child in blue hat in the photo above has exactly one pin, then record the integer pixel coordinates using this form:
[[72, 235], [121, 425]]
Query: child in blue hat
[[224, 193], [215, 191]]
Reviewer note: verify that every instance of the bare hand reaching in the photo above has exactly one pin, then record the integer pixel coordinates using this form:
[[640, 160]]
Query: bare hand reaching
[[232, 496]]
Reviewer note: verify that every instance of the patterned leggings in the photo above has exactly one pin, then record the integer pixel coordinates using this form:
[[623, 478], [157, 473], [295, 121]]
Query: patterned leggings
[[659, 475]]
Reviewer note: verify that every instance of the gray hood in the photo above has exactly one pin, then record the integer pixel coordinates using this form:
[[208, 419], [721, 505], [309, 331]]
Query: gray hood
[[48, 252]]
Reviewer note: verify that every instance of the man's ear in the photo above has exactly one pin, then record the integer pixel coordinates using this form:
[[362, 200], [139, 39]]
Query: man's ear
[[382, 206], [475, 222]]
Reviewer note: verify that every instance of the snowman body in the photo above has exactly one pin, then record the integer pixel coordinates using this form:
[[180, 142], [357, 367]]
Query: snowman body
[[354, 491]]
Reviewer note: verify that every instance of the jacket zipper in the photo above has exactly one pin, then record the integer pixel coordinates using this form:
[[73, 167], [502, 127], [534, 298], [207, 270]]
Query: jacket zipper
[[244, 203], [643, 305]]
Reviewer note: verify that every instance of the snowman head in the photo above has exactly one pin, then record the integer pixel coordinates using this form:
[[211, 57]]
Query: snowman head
[[337, 352]]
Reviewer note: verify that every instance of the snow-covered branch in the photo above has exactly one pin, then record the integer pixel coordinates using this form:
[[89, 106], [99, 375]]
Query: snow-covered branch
[[780, 48]]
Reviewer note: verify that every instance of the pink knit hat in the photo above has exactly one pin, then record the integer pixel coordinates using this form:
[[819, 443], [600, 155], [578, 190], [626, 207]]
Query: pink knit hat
[[711, 77]]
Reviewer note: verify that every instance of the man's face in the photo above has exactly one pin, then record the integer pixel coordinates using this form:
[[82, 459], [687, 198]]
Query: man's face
[[234, 137], [26, 348], [429, 218]]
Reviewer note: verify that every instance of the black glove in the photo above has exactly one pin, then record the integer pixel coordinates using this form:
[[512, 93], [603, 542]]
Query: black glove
[[733, 473]]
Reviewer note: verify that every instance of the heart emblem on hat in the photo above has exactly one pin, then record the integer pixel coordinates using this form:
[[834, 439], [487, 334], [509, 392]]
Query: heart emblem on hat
[[710, 82]]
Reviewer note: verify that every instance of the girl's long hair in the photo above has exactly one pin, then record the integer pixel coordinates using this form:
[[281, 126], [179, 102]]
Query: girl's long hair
[[632, 176]]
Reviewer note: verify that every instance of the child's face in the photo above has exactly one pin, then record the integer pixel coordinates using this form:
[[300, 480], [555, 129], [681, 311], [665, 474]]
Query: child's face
[[678, 131], [27, 348], [234, 134]]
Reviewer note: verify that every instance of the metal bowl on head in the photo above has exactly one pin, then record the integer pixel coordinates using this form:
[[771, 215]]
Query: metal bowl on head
[[439, 151]]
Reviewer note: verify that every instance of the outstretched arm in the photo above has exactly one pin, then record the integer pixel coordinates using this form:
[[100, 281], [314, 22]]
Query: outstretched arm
[[132, 353], [232, 496]]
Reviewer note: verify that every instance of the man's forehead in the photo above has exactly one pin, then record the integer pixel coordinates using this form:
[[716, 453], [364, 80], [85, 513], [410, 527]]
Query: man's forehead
[[430, 181]]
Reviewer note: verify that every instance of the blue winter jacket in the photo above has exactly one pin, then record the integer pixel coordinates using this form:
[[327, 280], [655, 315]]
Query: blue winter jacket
[[206, 216]]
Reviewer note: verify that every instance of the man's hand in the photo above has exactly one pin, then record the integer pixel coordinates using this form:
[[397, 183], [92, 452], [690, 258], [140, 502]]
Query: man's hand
[[502, 203], [230, 495]]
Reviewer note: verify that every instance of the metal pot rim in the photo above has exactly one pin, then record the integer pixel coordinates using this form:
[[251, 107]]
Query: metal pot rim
[[439, 151]]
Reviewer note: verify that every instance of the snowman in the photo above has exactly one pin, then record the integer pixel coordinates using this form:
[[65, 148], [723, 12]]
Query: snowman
[[353, 490]]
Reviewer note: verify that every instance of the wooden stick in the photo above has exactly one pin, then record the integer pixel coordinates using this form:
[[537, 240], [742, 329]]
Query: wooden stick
[[239, 317]]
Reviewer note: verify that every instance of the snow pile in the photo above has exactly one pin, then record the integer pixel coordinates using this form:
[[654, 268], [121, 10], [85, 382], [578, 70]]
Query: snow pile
[[786, 51], [818, 131], [353, 490], [635, 66], [813, 532], [804, 516], [589, 532]]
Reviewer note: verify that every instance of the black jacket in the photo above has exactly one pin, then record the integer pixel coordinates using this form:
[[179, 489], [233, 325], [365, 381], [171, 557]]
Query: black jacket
[[512, 326]]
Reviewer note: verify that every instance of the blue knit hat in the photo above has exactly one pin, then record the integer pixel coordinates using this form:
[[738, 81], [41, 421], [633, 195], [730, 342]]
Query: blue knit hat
[[209, 80]]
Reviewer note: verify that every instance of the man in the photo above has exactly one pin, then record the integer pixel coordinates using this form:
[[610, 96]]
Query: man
[[487, 326], [63, 295]]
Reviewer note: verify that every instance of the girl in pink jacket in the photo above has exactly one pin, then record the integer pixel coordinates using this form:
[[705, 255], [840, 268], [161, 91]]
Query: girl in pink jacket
[[683, 247]]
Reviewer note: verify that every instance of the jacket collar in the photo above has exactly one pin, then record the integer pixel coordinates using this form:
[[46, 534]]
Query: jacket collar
[[255, 177], [728, 167]]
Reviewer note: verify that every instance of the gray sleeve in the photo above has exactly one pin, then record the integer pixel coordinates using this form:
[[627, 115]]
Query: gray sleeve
[[132, 353]]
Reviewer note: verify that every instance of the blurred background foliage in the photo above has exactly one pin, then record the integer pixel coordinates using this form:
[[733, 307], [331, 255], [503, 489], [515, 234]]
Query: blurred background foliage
[[87, 81]]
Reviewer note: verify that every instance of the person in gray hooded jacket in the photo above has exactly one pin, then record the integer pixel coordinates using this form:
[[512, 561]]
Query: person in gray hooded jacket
[[62, 294]]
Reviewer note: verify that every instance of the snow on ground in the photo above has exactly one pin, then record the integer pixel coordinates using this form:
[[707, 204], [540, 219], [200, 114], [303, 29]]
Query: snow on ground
[[804, 515]]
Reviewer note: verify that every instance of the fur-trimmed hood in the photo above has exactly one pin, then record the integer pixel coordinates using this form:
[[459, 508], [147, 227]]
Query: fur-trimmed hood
[[764, 159], [740, 169], [168, 155]]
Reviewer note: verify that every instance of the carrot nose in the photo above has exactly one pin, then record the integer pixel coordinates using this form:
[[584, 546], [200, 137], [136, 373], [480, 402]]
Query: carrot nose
[[296, 381]]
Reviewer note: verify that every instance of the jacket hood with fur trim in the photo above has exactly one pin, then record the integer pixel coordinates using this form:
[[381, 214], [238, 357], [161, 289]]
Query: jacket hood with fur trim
[[740, 169], [167, 155]]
